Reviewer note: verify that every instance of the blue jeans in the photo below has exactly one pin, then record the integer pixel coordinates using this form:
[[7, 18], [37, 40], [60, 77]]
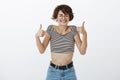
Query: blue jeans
[[57, 74]]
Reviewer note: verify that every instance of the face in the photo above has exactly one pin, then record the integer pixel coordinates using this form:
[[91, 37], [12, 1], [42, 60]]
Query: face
[[62, 18]]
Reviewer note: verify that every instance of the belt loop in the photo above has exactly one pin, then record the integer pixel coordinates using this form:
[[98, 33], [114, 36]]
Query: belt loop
[[55, 66], [66, 66], [58, 67]]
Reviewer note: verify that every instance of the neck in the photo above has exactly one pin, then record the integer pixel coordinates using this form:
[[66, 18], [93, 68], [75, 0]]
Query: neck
[[62, 27]]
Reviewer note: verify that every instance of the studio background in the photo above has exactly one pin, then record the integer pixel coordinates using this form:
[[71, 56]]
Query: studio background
[[20, 19]]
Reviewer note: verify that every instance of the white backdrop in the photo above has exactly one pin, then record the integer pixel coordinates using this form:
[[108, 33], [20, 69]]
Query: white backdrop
[[20, 19]]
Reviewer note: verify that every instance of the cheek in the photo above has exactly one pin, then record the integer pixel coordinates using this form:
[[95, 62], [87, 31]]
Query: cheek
[[68, 19], [60, 18]]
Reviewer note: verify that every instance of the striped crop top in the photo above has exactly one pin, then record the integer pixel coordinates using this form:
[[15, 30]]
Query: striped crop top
[[62, 43]]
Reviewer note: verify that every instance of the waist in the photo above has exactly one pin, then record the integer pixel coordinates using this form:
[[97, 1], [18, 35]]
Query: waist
[[62, 67], [61, 59]]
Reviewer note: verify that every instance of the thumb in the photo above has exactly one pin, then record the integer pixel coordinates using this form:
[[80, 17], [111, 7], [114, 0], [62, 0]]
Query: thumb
[[83, 24], [40, 26]]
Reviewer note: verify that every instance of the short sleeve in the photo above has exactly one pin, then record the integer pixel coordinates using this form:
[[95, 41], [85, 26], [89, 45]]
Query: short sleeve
[[49, 29], [75, 32]]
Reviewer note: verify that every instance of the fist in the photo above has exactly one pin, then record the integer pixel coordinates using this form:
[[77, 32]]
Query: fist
[[40, 32]]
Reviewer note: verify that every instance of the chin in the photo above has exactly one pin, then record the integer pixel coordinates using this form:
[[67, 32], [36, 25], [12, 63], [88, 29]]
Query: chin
[[63, 24]]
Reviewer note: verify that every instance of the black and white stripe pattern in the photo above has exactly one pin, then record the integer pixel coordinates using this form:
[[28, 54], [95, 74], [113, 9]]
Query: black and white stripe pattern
[[62, 43]]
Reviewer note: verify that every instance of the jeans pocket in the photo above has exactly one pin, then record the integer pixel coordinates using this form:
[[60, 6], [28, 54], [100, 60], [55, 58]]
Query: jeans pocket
[[52, 74]]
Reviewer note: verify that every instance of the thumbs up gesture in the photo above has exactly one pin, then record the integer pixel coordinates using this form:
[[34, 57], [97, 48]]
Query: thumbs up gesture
[[40, 32], [81, 29]]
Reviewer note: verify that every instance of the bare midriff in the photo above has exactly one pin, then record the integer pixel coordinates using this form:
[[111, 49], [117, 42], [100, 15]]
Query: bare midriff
[[61, 58]]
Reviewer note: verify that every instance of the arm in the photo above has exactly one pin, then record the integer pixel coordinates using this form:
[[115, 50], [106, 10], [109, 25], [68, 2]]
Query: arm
[[81, 44], [42, 45]]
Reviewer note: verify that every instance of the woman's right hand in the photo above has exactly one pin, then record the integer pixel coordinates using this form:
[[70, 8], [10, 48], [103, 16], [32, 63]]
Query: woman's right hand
[[40, 32]]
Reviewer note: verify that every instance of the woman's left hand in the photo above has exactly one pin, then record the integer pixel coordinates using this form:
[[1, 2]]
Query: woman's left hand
[[81, 29]]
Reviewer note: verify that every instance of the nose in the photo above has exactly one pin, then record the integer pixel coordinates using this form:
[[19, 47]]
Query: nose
[[63, 17]]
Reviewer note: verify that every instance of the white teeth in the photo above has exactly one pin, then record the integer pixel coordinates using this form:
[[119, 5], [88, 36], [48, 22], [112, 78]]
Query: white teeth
[[63, 21]]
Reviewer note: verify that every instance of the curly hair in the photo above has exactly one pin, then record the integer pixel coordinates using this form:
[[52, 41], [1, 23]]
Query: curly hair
[[65, 9]]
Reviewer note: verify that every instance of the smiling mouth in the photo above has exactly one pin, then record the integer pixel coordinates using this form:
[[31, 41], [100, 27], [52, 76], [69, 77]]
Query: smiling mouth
[[63, 21]]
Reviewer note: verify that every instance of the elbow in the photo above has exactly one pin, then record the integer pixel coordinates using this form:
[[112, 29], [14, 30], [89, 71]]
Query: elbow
[[83, 52], [41, 51]]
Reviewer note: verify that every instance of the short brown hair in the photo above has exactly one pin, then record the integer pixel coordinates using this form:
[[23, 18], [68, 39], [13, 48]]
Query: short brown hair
[[65, 9]]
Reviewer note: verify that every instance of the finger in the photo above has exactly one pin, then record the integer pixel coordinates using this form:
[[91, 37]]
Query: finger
[[83, 23], [40, 26]]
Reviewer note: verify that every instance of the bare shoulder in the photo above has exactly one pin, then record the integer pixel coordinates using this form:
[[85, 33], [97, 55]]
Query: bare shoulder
[[55, 26]]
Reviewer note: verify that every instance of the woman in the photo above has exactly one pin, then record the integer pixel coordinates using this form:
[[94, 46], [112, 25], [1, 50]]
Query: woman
[[62, 38]]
